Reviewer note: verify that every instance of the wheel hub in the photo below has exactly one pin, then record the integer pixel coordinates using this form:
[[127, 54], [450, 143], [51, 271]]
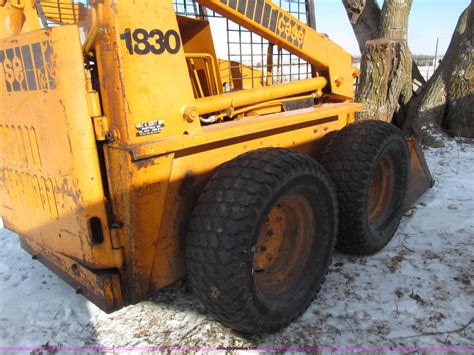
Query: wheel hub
[[283, 244]]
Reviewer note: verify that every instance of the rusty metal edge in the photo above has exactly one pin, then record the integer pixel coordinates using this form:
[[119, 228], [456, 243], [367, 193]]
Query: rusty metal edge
[[104, 285]]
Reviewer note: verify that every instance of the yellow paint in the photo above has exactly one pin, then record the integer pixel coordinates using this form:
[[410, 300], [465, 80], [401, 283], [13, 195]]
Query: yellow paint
[[200, 55], [310, 45], [49, 161], [231, 100], [239, 76], [17, 17], [73, 153]]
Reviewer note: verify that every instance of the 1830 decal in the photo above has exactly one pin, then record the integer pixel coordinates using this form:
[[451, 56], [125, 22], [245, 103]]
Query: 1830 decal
[[142, 42]]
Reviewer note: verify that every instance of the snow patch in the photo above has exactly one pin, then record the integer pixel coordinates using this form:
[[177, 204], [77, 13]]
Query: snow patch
[[418, 291]]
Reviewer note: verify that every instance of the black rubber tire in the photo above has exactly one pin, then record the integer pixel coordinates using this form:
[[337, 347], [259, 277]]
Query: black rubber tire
[[351, 159], [225, 224]]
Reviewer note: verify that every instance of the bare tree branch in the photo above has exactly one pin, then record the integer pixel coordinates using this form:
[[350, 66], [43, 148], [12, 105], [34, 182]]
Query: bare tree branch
[[458, 330]]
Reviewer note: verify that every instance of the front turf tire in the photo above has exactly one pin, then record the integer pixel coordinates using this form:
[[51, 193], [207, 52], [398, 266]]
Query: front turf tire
[[368, 161]]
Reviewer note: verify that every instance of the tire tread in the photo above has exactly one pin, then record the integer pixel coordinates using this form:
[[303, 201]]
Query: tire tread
[[349, 159], [224, 217]]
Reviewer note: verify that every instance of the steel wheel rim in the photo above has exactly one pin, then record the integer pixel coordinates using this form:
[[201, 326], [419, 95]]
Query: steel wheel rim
[[380, 194], [283, 245]]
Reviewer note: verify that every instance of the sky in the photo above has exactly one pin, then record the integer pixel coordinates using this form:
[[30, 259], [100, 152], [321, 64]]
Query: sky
[[429, 20]]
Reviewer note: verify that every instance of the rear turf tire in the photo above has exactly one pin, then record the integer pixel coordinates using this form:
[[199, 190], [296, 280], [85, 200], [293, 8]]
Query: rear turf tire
[[368, 161], [261, 239]]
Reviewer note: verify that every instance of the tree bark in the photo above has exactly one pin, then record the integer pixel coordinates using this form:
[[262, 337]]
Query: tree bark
[[386, 80], [365, 19], [367, 22], [448, 100], [394, 19]]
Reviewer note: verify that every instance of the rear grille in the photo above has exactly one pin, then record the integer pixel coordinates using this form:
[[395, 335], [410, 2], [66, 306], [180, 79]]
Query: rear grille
[[20, 146], [20, 154], [32, 191]]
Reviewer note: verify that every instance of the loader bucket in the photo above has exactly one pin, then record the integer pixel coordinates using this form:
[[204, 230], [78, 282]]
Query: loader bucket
[[419, 177]]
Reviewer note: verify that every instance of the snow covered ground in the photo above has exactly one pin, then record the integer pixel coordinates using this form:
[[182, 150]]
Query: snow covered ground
[[417, 292]]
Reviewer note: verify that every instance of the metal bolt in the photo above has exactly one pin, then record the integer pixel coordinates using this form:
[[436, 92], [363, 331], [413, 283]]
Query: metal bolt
[[110, 135], [339, 81], [191, 114]]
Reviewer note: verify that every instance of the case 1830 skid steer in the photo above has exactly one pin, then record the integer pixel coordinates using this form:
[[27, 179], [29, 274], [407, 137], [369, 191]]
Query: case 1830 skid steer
[[125, 165]]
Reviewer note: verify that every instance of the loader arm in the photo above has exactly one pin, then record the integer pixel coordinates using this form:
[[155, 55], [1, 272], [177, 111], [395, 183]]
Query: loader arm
[[279, 27]]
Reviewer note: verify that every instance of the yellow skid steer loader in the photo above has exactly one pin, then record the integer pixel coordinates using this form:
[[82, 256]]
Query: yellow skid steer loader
[[126, 164]]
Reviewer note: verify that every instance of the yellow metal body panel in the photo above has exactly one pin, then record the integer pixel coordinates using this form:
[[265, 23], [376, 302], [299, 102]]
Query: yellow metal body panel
[[154, 185], [138, 89], [19, 18], [199, 48], [154, 154], [196, 158], [138, 191], [103, 287], [242, 129], [240, 76], [50, 175]]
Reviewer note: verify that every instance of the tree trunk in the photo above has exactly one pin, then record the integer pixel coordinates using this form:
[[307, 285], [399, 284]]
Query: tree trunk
[[394, 20], [448, 99], [386, 80], [367, 21]]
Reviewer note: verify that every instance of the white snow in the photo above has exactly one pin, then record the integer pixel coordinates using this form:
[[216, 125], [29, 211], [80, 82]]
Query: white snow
[[418, 291]]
